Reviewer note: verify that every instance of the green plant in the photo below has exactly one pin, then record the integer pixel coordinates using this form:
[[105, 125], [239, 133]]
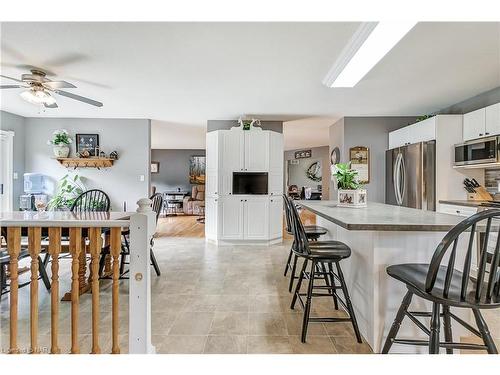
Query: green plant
[[68, 189], [347, 178], [424, 117], [61, 137]]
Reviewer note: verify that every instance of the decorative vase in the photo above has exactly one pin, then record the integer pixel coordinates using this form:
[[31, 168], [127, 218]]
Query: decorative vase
[[61, 151], [352, 198]]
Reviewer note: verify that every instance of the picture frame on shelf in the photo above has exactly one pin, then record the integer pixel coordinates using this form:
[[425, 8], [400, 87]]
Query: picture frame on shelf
[[89, 142]]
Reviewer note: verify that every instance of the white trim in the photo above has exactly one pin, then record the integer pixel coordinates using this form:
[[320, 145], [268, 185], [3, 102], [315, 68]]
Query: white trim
[[9, 172]]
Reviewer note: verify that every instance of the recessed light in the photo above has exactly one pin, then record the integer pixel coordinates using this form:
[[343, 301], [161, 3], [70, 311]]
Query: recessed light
[[369, 44]]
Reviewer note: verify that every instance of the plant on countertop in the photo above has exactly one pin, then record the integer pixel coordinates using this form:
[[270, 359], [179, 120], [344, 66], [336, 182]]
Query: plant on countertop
[[60, 138], [347, 178], [68, 189]]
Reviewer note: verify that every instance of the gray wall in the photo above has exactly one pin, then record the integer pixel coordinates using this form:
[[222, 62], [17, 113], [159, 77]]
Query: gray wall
[[130, 138], [479, 101], [317, 153], [174, 169], [15, 123], [371, 132], [212, 125]]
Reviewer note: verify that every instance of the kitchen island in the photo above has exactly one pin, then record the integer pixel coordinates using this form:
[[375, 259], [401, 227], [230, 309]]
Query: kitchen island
[[381, 235]]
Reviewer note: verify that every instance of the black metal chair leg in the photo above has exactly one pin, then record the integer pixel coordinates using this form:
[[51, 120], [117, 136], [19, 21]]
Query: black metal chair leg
[[154, 262], [299, 284], [435, 325], [334, 285], [485, 332], [397, 322], [43, 273], [292, 276], [287, 266], [448, 335], [3, 278], [348, 303], [102, 262], [307, 308]]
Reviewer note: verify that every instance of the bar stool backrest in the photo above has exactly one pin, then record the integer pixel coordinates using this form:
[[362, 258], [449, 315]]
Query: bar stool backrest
[[487, 291], [288, 217], [299, 234], [91, 200], [157, 203]]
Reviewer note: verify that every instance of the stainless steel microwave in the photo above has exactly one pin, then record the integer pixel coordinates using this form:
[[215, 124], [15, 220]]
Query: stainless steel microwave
[[477, 151]]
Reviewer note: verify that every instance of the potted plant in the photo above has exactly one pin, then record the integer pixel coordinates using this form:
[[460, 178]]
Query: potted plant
[[68, 189], [350, 191], [61, 141]]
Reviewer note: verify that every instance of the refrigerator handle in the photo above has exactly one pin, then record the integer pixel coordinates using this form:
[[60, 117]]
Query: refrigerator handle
[[396, 179], [403, 178]]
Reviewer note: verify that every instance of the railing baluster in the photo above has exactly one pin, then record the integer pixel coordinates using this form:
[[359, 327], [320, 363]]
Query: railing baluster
[[54, 251], [14, 248], [75, 247], [115, 248], [95, 251], [34, 248]]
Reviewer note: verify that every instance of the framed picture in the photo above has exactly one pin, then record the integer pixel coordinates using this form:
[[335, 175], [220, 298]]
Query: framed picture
[[89, 142], [360, 161], [303, 154], [155, 167], [197, 170]]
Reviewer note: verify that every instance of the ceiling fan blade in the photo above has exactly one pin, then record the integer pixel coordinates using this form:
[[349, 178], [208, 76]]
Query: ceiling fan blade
[[79, 98], [11, 86], [54, 105], [13, 79], [53, 85]]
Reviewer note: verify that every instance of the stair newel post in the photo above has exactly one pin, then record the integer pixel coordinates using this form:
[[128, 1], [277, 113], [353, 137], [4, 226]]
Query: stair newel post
[[142, 228]]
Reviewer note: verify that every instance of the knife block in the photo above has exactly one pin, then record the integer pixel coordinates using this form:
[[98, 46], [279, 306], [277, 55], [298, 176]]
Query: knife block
[[481, 194]]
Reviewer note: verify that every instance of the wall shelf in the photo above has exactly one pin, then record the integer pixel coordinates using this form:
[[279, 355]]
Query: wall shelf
[[86, 162]]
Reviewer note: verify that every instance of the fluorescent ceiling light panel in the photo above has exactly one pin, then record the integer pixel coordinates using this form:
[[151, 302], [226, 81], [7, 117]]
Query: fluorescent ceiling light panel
[[369, 44]]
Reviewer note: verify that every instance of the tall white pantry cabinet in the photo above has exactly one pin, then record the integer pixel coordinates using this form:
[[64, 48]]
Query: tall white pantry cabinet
[[243, 219]]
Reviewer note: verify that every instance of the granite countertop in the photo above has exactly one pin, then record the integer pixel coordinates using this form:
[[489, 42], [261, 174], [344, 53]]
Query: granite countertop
[[64, 219], [382, 217]]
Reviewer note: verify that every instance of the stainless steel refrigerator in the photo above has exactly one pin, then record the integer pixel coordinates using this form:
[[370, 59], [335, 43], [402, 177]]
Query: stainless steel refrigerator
[[411, 176]]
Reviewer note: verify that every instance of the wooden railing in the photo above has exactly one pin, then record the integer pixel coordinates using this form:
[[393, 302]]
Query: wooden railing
[[85, 237]]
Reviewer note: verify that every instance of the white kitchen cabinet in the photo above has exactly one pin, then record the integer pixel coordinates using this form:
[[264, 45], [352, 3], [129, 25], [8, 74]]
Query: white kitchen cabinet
[[256, 218], [457, 210], [275, 217], [474, 125], [275, 183], [276, 155], [231, 151], [211, 217], [398, 138], [256, 151], [231, 218], [492, 119]]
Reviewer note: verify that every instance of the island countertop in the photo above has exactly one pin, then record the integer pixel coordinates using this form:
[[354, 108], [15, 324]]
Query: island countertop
[[382, 217]]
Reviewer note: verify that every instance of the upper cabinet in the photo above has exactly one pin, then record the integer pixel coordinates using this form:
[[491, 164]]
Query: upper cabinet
[[475, 124], [419, 132], [492, 119], [256, 151]]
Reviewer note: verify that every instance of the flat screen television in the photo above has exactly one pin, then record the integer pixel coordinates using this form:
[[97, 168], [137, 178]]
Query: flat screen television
[[250, 183]]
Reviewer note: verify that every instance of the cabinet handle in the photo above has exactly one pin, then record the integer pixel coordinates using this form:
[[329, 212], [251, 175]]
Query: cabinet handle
[[480, 134], [458, 211], [487, 133]]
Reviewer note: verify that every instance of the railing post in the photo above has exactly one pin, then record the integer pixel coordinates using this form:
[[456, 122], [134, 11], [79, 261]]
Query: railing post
[[142, 227]]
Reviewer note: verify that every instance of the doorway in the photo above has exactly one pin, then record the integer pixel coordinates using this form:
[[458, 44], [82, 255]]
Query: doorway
[[6, 170]]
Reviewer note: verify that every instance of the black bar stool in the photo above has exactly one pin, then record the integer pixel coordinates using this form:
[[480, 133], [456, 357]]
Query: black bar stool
[[448, 287], [313, 232], [322, 255]]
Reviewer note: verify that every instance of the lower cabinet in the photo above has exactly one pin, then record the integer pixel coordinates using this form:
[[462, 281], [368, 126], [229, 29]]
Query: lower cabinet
[[244, 218]]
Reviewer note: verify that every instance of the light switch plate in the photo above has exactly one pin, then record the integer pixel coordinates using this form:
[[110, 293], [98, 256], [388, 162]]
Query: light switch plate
[[141, 177], [15, 176]]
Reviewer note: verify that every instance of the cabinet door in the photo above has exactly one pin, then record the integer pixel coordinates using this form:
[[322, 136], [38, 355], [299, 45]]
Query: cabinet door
[[231, 218], [276, 153], [212, 151], [226, 183], [492, 115], [212, 183], [475, 124], [422, 131], [256, 218], [211, 217], [399, 137], [257, 150], [275, 217], [231, 152], [275, 183]]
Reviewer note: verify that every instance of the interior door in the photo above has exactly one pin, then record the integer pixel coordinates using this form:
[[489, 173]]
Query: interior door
[[6, 171]]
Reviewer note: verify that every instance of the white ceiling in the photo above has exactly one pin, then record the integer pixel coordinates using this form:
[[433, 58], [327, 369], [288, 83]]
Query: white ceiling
[[182, 74]]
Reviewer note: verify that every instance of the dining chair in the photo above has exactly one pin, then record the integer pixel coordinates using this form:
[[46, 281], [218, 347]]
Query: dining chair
[[446, 287]]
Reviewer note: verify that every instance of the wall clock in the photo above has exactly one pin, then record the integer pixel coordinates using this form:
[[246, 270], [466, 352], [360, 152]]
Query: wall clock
[[335, 156]]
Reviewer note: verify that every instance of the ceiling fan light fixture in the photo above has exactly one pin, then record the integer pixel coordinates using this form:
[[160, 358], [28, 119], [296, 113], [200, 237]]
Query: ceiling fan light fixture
[[39, 97]]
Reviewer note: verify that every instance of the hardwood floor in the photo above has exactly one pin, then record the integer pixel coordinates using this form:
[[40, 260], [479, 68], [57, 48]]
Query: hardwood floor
[[180, 226]]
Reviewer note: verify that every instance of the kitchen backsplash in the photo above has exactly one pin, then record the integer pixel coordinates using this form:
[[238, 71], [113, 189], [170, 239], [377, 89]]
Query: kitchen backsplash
[[491, 179]]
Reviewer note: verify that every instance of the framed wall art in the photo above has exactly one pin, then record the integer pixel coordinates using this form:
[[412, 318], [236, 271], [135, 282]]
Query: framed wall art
[[359, 157]]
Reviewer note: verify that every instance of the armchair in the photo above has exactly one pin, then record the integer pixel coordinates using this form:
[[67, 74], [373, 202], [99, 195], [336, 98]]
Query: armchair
[[191, 204]]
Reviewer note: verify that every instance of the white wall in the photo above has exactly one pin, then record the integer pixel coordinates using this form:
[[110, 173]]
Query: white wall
[[130, 138]]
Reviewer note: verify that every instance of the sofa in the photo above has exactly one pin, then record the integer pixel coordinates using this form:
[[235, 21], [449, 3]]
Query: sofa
[[191, 204]]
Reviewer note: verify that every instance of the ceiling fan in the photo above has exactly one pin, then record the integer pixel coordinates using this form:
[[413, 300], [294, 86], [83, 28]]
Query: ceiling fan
[[40, 89]]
